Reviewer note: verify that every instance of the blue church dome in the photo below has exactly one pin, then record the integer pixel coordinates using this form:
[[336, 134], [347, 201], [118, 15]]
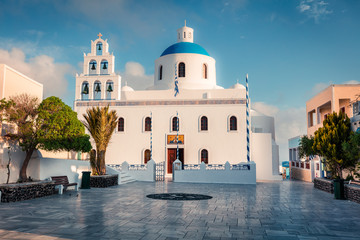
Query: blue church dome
[[185, 47]]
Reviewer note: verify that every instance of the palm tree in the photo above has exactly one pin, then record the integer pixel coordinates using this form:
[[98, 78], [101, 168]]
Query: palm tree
[[101, 123]]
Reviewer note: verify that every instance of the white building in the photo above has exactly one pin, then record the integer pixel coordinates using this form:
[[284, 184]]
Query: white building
[[212, 120]]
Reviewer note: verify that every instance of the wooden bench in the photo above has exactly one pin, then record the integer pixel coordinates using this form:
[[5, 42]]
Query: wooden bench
[[62, 183]]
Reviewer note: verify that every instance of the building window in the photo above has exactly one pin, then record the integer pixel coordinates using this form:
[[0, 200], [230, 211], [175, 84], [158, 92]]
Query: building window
[[204, 123], [121, 125], [160, 72], [175, 124], [342, 109], [146, 156], [181, 69], [311, 118], [204, 156], [92, 67], [233, 123], [97, 90], [204, 71], [184, 34], [147, 124]]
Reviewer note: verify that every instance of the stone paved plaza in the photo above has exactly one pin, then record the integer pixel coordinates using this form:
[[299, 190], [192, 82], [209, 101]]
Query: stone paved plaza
[[276, 210]]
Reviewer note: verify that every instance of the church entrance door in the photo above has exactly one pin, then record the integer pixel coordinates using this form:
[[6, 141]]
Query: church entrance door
[[172, 157]]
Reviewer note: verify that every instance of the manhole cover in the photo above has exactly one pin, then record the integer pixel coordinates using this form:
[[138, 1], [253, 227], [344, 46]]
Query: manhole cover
[[179, 196]]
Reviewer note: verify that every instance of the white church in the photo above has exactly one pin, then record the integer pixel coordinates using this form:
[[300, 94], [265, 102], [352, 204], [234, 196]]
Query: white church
[[184, 104]]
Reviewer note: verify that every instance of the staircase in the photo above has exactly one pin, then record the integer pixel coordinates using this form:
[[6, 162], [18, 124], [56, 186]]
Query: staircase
[[125, 178]]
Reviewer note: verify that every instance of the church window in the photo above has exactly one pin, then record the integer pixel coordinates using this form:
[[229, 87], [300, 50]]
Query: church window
[[109, 89], [233, 123], [99, 48], [204, 71], [160, 72], [204, 156], [147, 124], [175, 124], [97, 90], [204, 123], [184, 34], [121, 126], [85, 91], [92, 67], [146, 156], [104, 67], [181, 69]]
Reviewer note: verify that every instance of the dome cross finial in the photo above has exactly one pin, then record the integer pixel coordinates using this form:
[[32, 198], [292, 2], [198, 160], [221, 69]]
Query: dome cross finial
[[185, 22], [99, 35]]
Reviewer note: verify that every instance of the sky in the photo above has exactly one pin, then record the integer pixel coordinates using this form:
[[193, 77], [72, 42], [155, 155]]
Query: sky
[[291, 49]]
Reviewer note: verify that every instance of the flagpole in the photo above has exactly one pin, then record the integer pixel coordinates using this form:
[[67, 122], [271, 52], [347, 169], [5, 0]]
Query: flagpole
[[150, 135], [247, 120], [177, 135]]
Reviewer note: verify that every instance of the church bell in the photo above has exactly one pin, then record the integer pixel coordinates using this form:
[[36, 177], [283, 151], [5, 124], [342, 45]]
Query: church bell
[[86, 89], [97, 87], [110, 89], [105, 67], [93, 66]]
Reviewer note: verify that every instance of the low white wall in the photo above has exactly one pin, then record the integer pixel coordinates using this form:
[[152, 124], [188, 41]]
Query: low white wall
[[146, 175], [217, 176], [113, 171], [63, 167]]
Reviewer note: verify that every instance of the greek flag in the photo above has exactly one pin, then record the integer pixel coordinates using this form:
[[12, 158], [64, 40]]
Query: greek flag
[[247, 120], [176, 82]]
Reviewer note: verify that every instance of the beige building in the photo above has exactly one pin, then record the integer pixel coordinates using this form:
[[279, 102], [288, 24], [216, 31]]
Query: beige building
[[335, 98]]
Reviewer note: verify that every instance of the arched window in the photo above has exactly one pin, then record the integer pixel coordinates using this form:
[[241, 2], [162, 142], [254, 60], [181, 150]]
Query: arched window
[[204, 71], [85, 91], [147, 124], [97, 90], [233, 123], [204, 123], [99, 48], [92, 67], [104, 67], [146, 156], [109, 89], [181, 69], [121, 124], [204, 156], [175, 122], [160, 72]]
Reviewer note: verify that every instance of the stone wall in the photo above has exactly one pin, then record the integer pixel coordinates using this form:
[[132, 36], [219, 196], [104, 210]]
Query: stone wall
[[324, 184], [104, 181], [25, 191], [301, 174], [352, 192]]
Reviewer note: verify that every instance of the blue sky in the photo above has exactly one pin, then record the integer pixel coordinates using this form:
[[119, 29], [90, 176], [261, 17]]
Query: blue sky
[[291, 49]]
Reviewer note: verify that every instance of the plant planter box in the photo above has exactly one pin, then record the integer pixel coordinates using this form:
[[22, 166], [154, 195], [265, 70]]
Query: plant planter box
[[24, 191], [104, 181]]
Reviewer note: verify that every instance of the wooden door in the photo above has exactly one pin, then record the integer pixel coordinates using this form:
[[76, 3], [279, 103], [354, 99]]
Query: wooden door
[[172, 152]]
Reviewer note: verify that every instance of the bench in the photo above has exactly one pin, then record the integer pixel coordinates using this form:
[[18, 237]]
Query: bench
[[62, 183]]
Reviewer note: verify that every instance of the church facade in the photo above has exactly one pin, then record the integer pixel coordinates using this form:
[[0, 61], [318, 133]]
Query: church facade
[[184, 115]]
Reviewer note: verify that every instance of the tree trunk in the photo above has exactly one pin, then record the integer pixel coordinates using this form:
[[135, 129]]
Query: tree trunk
[[23, 176], [102, 162]]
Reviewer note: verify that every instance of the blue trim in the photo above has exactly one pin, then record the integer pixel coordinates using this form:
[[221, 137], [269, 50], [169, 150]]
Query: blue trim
[[185, 47]]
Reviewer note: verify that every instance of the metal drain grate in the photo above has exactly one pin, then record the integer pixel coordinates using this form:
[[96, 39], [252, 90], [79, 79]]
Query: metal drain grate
[[179, 196]]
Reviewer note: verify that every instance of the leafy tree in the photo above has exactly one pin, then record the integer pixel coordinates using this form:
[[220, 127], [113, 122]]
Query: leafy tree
[[329, 141], [101, 123], [306, 146], [352, 152], [51, 126]]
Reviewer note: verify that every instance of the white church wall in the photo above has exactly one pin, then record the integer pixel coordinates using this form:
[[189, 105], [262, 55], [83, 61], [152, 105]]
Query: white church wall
[[226, 175], [193, 71], [262, 155]]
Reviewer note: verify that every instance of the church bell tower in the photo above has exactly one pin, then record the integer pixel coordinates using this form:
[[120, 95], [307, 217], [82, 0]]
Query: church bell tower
[[98, 81]]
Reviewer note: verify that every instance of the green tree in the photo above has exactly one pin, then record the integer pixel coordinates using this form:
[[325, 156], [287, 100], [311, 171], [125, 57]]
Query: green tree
[[352, 152], [51, 126], [306, 146], [329, 142], [101, 123]]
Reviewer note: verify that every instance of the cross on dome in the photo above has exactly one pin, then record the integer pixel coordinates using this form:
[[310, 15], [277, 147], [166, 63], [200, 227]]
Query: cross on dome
[[99, 35]]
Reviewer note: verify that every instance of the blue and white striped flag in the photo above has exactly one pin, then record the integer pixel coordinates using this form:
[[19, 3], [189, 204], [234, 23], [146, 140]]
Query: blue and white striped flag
[[176, 82]]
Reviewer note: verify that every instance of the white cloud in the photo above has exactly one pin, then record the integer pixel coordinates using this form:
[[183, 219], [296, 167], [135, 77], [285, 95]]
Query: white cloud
[[289, 123], [41, 68], [319, 87], [135, 76], [314, 9], [352, 82]]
